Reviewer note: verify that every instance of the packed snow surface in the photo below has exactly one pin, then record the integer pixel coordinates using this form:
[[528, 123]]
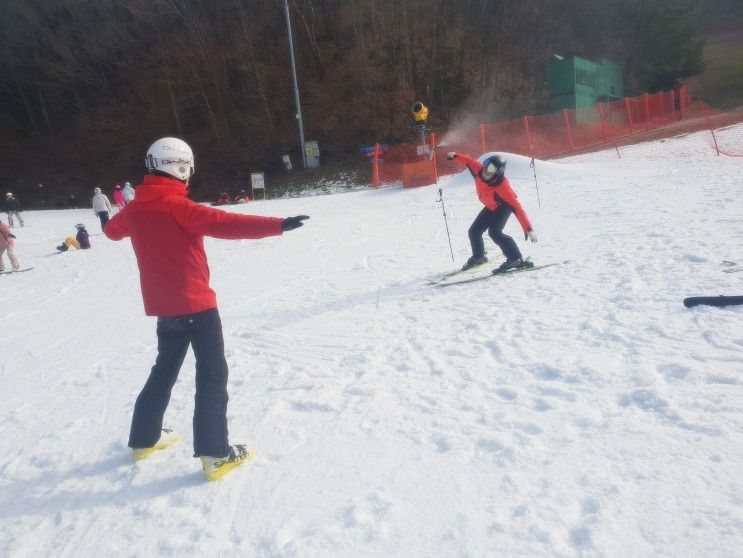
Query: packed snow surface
[[575, 410]]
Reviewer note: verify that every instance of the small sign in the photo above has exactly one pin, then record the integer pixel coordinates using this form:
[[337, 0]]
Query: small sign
[[257, 183]]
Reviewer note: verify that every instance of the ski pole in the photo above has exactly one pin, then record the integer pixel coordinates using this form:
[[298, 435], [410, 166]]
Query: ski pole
[[534, 168], [443, 208]]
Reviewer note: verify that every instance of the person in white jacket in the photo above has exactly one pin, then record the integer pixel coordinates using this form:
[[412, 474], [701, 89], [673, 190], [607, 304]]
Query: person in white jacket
[[101, 206], [128, 193]]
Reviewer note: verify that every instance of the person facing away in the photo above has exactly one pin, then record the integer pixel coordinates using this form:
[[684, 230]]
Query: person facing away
[[81, 241], [7, 244], [119, 196], [13, 208], [101, 206], [499, 199], [167, 233], [128, 192]]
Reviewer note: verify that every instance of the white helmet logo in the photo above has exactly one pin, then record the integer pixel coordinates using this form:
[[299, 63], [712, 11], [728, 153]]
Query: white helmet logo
[[170, 156]]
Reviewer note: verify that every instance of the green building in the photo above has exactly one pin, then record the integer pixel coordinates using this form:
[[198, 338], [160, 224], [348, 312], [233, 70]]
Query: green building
[[575, 83]]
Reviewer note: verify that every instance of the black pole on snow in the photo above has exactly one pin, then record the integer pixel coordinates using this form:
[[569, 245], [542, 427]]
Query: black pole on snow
[[534, 168], [443, 208], [713, 300]]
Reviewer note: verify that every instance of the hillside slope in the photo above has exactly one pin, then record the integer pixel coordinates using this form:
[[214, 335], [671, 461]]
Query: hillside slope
[[576, 410]]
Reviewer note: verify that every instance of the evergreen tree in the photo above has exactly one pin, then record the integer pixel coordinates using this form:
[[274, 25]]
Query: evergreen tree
[[669, 47]]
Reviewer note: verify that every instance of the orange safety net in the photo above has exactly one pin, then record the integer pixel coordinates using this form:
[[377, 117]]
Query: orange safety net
[[567, 132]]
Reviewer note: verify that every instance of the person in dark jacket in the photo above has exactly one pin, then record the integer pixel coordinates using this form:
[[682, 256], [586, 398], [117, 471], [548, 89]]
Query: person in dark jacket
[[167, 233], [499, 199], [13, 208]]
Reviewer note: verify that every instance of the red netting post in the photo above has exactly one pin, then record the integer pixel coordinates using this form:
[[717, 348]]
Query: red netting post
[[566, 121], [681, 103], [712, 131], [674, 97], [527, 135], [628, 115], [600, 109], [672, 100], [604, 127], [646, 108], [375, 167], [483, 148]]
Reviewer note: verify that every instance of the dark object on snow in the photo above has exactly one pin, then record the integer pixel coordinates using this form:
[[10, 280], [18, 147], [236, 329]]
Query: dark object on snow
[[713, 300]]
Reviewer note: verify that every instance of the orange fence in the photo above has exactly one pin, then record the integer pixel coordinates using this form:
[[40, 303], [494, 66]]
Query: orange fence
[[561, 133]]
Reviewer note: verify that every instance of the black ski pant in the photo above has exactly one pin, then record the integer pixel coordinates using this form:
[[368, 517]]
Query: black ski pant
[[493, 222], [203, 331], [103, 216]]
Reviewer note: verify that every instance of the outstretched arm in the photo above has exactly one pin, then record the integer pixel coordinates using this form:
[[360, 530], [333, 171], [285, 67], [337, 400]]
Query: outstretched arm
[[473, 165], [116, 228], [208, 221]]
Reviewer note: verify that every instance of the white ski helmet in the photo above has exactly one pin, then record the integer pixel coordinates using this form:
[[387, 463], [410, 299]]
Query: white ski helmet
[[171, 156]]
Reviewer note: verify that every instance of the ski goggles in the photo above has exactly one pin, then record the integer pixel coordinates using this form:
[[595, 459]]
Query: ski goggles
[[488, 171]]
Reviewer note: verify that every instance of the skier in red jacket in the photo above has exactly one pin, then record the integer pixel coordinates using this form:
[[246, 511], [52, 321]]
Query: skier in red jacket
[[500, 201], [167, 233]]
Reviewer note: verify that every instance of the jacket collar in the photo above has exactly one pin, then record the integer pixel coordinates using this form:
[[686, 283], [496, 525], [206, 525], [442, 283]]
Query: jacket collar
[[154, 187]]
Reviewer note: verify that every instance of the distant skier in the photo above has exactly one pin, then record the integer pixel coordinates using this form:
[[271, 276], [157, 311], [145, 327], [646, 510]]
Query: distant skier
[[119, 196], [101, 206], [166, 231], [7, 243], [499, 199], [13, 208], [128, 192]]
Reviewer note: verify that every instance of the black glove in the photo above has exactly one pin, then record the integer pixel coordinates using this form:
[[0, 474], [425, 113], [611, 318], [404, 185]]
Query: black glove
[[291, 223]]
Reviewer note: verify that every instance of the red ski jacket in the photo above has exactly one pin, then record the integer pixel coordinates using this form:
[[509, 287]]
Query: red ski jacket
[[493, 196], [167, 232]]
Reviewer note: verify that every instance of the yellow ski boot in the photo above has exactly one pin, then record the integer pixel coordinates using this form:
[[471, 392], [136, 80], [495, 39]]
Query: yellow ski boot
[[217, 467], [167, 439]]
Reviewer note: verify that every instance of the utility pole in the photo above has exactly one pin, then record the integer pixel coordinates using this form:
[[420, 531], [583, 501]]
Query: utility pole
[[296, 87]]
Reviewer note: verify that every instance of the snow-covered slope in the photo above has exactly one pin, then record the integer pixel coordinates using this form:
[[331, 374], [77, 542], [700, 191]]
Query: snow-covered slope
[[576, 410]]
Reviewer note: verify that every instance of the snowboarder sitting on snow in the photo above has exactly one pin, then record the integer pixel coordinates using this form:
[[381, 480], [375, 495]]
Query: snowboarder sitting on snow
[[80, 241], [7, 242], [167, 233], [500, 201]]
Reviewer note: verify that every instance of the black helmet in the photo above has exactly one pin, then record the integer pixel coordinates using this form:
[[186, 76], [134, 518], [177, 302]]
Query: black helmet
[[417, 106], [493, 169]]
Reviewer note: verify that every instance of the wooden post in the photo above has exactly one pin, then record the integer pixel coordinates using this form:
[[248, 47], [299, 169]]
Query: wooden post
[[483, 147]]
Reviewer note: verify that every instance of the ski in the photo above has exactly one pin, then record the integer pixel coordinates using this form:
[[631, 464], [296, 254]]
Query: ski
[[442, 278], [16, 271], [439, 278], [496, 273], [713, 300], [733, 269]]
